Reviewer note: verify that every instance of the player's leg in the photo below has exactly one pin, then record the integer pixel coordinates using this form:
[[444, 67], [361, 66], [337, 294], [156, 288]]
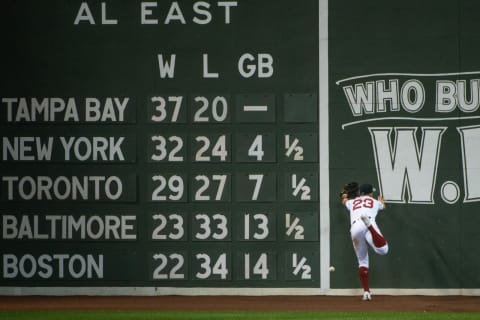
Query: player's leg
[[383, 250], [363, 275], [378, 241], [361, 250]]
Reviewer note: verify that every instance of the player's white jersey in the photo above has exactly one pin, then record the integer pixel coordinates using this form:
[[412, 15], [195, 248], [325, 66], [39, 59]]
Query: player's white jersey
[[363, 205]]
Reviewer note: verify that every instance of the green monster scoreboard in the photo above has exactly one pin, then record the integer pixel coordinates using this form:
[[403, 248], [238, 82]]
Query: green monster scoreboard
[[160, 144]]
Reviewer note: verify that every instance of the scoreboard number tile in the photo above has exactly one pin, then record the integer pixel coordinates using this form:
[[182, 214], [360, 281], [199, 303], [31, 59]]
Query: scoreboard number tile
[[211, 265], [210, 108], [256, 265], [300, 107], [255, 147], [300, 225], [255, 224], [300, 147], [168, 226], [255, 108], [301, 265], [166, 148], [168, 265], [167, 187], [210, 148], [167, 108], [215, 187], [301, 186], [255, 186], [211, 226]]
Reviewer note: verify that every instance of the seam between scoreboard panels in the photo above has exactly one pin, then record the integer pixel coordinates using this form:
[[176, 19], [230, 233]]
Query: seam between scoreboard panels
[[323, 119]]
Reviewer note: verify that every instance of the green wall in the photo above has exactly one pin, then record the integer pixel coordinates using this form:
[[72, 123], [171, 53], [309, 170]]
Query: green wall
[[175, 144], [416, 143]]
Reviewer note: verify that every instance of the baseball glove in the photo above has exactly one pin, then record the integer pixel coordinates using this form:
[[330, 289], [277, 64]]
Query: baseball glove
[[350, 189]]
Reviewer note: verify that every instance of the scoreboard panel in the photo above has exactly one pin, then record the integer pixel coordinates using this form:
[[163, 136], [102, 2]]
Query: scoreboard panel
[[160, 144]]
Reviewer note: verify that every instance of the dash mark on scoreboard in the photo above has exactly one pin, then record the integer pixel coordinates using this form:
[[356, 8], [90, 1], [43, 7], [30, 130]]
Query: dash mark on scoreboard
[[255, 108]]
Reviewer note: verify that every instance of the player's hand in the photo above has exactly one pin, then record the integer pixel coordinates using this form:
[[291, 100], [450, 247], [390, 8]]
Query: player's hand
[[380, 198], [343, 197]]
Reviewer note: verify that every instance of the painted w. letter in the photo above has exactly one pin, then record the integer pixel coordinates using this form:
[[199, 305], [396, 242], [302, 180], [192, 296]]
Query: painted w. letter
[[404, 166]]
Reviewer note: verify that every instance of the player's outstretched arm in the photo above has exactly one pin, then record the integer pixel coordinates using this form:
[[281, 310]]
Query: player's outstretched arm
[[380, 198], [343, 198], [349, 191]]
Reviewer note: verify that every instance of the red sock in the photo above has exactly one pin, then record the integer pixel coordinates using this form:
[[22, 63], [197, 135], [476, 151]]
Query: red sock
[[363, 274], [378, 240]]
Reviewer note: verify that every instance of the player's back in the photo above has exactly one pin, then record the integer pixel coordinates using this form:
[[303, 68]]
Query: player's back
[[363, 205]]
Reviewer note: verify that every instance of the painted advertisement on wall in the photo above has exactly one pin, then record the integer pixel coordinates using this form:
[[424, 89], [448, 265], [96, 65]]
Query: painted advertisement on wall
[[404, 116]]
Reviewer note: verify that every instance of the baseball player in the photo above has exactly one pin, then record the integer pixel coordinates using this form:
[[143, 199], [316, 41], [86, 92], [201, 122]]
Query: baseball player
[[363, 210]]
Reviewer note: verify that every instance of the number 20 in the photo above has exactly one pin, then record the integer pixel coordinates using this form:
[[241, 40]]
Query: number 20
[[219, 109]]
